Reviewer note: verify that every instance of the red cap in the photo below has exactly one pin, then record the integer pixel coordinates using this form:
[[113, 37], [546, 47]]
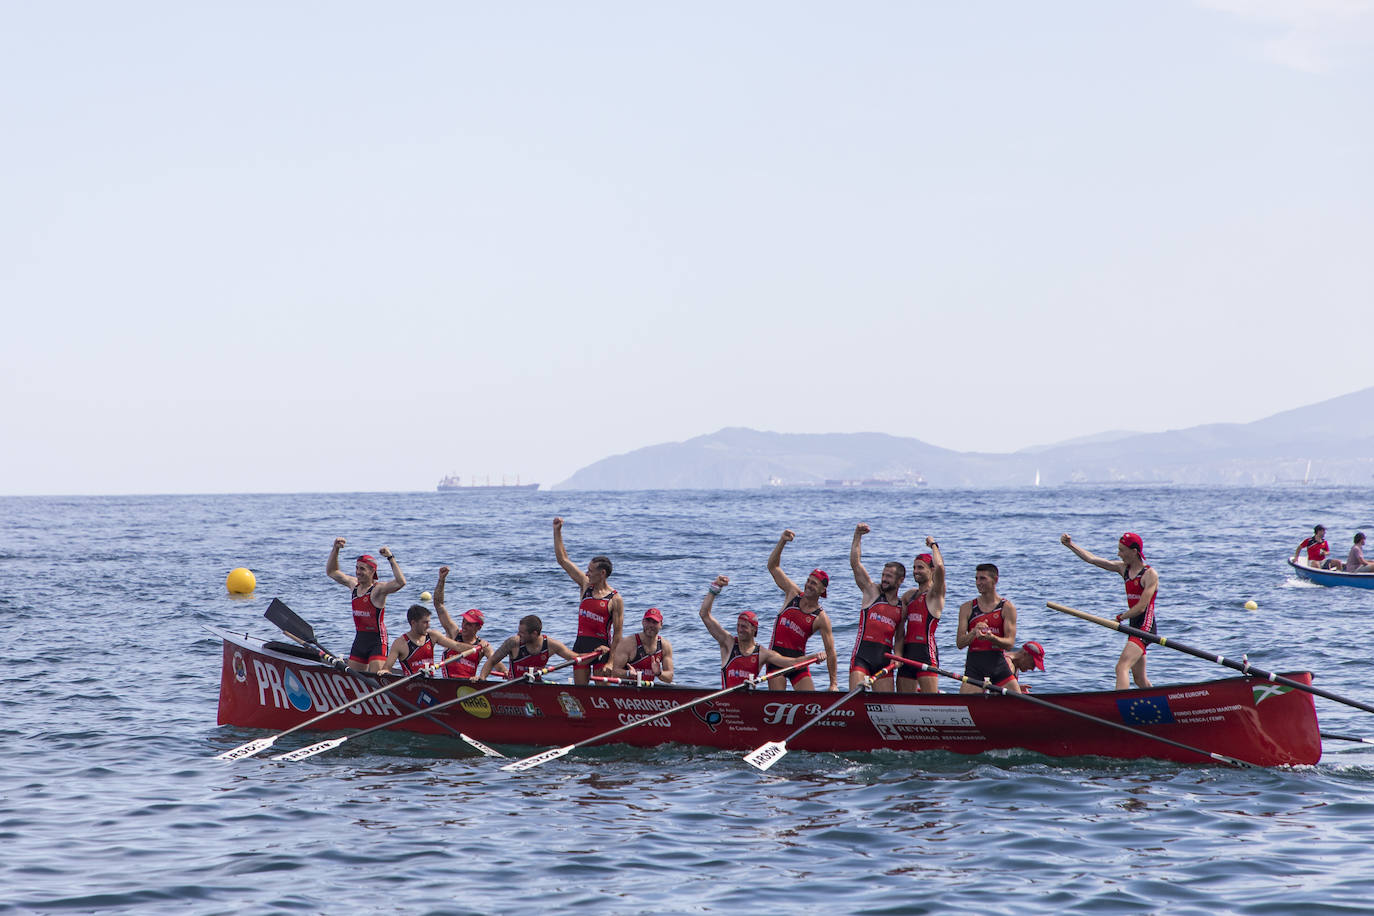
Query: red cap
[[367, 560], [1133, 540], [1037, 654], [751, 617], [653, 613], [926, 558], [472, 615], [823, 577]]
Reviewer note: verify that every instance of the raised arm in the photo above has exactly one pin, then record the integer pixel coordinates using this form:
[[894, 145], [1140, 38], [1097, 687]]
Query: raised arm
[[775, 565], [1116, 566], [331, 566], [712, 625], [861, 577], [561, 554], [398, 580], [937, 577], [445, 619]]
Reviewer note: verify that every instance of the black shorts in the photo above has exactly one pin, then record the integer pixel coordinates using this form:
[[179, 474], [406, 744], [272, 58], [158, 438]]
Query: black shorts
[[919, 652], [797, 673], [367, 645], [869, 657], [584, 644], [990, 664]]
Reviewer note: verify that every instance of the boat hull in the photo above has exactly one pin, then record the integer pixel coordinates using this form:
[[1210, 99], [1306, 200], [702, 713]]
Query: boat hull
[[1332, 577], [1240, 717]]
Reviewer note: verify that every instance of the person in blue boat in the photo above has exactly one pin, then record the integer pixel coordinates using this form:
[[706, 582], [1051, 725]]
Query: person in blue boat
[[987, 629], [1356, 562], [1142, 586], [601, 613], [1317, 550], [369, 648]]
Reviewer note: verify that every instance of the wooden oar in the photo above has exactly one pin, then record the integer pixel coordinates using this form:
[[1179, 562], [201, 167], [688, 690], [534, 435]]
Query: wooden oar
[[293, 625], [531, 762], [252, 748], [323, 746], [768, 754], [1244, 667], [990, 687]]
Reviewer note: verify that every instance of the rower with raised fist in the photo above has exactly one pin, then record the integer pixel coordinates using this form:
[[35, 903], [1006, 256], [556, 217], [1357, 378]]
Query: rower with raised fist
[[601, 612], [879, 620], [369, 649], [800, 617]]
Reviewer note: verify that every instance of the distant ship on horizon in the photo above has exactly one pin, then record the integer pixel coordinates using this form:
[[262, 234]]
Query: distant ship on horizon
[[452, 483]]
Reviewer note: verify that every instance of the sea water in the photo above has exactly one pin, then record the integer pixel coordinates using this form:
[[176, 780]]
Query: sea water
[[111, 799]]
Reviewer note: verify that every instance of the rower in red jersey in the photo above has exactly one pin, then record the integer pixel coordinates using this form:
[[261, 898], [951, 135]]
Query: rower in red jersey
[[600, 615], [369, 649], [801, 615], [646, 656], [921, 610], [528, 650], [879, 621], [987, 628], [1142, 586], [415, 648], [464, 630], [740, 656]]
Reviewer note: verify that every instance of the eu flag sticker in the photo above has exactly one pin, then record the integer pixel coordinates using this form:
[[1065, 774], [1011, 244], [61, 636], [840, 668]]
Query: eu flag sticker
[[1145, 711]]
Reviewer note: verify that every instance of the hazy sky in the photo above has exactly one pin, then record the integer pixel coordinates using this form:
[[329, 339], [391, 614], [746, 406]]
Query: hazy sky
[[347, 246]]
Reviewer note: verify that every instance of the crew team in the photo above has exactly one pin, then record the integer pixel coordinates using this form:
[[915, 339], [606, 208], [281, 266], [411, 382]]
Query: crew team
[[895, 648]]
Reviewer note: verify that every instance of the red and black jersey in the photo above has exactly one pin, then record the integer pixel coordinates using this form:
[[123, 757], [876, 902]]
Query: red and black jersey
[[1135, 587], [419, 655], [367, 617], [918, 624], [739, 667], [594, 616], [994, 621], [878, 623], [645, 662], [793, 627], [525, 660]]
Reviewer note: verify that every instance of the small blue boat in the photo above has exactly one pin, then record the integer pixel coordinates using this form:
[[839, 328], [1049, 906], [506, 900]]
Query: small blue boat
[[1332, 576]]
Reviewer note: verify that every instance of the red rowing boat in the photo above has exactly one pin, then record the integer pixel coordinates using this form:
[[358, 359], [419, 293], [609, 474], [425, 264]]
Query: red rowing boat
[[271, 685]]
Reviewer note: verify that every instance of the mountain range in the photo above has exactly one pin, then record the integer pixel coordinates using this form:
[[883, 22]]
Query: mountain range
[[1331, 442]]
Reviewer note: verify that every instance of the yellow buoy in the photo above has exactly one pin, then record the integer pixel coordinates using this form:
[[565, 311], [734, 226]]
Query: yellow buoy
[[425, 596], [1251, 606], [241, 581]]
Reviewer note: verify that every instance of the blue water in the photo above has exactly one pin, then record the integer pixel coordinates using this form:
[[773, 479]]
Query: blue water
[[110, 800]]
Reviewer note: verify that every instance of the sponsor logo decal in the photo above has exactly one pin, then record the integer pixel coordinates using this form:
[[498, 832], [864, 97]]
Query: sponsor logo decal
[[240, 668], [1263, 692], [897, 722], [479, 707], [295, 691], [710, 715], [1145, 711], [787, 713], [570, 706]]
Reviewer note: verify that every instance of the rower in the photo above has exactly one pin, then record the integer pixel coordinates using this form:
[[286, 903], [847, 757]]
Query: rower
[[921, 610], [369, 604], [1030, 655], [1142, 587], [740, 656], [528, 650], [987, 628], [801, 615], [601, 613], [648, 656], [879, 620], [464, 630], [415, 648]]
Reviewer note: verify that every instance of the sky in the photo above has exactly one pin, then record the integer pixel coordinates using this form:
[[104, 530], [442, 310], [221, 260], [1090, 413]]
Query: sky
[[279, 247]]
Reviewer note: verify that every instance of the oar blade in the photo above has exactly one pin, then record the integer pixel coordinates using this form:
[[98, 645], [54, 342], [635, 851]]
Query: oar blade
[[289, 621], [767, 755], [486, 751], [530, 763], [248, 750], [311, 750]]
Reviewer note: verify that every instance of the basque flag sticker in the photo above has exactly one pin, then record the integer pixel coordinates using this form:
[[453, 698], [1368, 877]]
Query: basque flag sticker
[[1145, 711]]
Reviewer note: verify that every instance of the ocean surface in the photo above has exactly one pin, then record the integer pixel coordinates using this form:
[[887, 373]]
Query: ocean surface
[[111, 801]]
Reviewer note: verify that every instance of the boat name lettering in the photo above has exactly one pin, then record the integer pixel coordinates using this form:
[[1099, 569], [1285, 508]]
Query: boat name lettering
[[1191, 693], [786, 713], [599, 702], [269, 679], [644, 705], [628, 718]]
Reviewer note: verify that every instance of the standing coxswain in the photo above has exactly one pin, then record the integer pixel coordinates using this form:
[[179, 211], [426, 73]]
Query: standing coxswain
[[987, 628], [879, 620], [921, 610], [1142, 586], [369, 648], [740, 656], [801, 615], [600, 615]]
